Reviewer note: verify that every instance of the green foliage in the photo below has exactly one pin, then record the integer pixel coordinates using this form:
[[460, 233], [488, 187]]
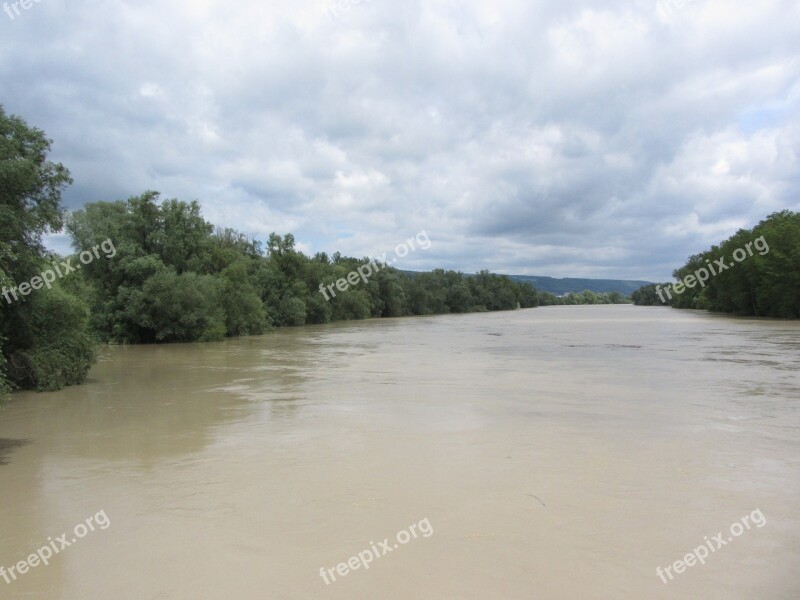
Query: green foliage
[[52, 345], [293, 312], [160, 245], [180, 308], [319, 310], [141, 294], [244, 311], [584, 297], [44, 340], [647, 295], [562, 287], [548, 299], [764, 282], [493, 292], [392, 293], [30, 198], [176, 279], [5, 385], [527, 296], [354, 304], [691, 296]]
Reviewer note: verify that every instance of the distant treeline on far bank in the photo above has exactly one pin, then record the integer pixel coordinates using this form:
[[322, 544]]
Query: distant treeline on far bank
[[755, 272]]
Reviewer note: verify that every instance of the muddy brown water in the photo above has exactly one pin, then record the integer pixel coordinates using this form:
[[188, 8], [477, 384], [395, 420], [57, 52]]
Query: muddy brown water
[[561, 452]]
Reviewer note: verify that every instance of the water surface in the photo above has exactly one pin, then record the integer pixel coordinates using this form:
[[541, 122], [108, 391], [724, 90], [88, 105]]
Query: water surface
[[561, 452]]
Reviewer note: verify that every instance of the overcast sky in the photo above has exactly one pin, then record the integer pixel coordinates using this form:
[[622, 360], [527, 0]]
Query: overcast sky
[[562, 138]]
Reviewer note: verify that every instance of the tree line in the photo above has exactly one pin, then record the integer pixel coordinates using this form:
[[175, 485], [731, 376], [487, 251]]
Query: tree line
[[176, 278], [741, 282], [584, 297]]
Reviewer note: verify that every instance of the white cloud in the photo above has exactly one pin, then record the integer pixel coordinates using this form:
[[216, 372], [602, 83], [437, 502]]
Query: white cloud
[[566, 138]]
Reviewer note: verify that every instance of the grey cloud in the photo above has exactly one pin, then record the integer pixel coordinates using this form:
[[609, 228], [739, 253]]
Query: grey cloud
[[567, 138]]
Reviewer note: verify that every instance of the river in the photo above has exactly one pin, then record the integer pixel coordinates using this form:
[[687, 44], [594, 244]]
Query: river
[[559, 452]]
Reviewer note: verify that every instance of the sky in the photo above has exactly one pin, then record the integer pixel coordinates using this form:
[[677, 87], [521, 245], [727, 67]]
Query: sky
[[564, 138]]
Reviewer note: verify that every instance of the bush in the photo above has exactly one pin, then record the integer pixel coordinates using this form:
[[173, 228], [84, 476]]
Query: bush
[[244, 310], [180, 308], [54, 347]]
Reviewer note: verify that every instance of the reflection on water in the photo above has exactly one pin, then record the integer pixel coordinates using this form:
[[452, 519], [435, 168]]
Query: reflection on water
[[562, 452], [7, 447]]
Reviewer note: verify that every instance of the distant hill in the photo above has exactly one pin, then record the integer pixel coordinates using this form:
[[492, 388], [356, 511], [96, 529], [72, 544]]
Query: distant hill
[[559, 287], [570, 284]]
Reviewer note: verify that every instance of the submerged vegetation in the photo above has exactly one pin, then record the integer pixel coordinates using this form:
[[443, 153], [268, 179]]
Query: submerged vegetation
[[740, 281]]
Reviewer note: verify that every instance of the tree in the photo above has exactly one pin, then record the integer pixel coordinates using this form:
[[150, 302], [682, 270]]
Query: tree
[[648, 296], [52, 346], [755, 272], [30, 198], [244, 311], [44, 335], [180, 308]]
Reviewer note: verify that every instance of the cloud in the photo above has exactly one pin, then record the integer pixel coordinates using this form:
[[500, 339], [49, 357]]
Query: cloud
[[568, 138]]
